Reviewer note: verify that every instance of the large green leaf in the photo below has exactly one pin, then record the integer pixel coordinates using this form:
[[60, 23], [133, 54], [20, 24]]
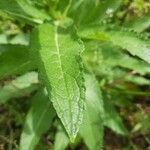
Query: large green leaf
[[92, 127], [38, 120], [57, 52], [22, 9], [21, 86], [14, 59], [124, 38]]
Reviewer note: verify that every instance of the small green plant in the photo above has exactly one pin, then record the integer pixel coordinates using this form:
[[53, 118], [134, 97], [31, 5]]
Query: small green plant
[[80, 61]]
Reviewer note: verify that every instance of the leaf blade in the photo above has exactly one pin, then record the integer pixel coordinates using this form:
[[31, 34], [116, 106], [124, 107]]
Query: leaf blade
[[124, 38], [61, 73], [109, 55], [61, 139], [87, 11], [112, 119], [22, 9], [92, 127], [37, 121], [19, 87]]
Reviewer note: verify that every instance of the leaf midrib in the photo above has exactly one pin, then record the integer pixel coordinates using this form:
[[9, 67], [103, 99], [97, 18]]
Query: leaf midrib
[[61, 69]]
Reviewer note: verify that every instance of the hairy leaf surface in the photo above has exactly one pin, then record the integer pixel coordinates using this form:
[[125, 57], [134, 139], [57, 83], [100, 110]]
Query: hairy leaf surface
[[59, 64]]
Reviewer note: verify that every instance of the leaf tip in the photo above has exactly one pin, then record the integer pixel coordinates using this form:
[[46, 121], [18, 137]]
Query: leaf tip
[[72, 139]]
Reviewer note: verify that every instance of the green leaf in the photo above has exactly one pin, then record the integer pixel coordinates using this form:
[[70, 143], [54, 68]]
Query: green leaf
[[81, 13], [133, 43], [19, 87], [14, 59], [87, 11], [20, 39], [124, 38], [105, 55], [112, 119], [61, 140], [108, 8], [63, 6], [139, 24], [3, 39], [22, 9], [57, 53], [137, 80], [38, 121], [92, 127]]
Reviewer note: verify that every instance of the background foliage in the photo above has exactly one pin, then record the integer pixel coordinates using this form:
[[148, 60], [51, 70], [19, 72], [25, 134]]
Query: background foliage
[[104, 41]]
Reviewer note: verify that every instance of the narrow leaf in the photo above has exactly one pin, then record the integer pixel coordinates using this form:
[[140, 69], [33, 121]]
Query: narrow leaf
[[139, 24], [61, 140], [87, 11], [124, 38], [137, 80], [22, 9], [92, 127], [112, 119], [19, 87], [38, 120], [57, 53], [106, 54]]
